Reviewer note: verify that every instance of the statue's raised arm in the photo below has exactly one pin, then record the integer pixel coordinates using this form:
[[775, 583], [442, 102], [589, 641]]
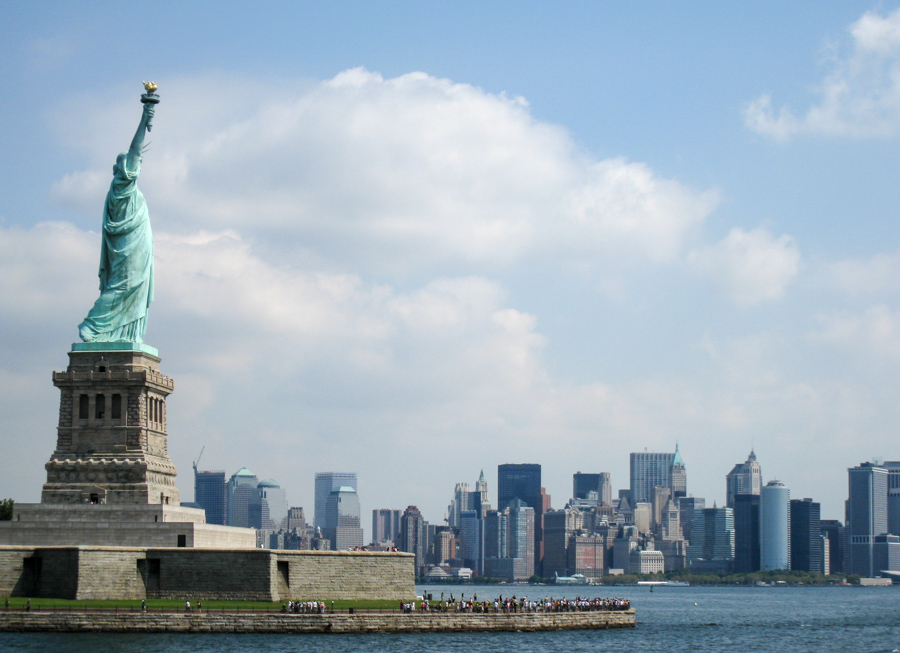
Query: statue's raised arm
[[126, 251]]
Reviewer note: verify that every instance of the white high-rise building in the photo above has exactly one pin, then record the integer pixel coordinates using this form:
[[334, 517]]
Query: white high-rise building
[[268, 506], [774, 527], [238, 495], [342, 524], [744, 478]]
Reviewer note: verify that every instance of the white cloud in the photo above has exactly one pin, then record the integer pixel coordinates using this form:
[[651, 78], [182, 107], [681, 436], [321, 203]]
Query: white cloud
[[876, 275], [859, 98], [751, 267], [399, 176], [874, 332]]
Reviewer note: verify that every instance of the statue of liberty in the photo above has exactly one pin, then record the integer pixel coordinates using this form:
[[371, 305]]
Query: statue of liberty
[[126, 252]]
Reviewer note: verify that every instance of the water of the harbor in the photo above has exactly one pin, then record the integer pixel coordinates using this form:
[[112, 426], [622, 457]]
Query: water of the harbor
[[670, 619]]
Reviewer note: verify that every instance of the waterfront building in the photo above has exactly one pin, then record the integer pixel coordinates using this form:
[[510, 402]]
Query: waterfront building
[[774, 527], [646, 561], [806, 535], [209, 494], [713, 537], [867, 517], [833, 531], [893, 499], [586, 556], [746, 533], [559, 526], [385, 525], [326, 483], [240, 491], [342, 519], [744, 478]]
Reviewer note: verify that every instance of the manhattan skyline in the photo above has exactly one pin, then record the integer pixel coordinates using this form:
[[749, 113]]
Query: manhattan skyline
[[417, 241]]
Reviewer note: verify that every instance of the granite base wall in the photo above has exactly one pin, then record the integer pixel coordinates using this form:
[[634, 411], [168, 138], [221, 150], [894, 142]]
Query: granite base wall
[[20, 621], [197, 574]]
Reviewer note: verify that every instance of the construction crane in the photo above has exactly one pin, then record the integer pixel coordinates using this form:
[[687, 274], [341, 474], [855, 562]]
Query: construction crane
[[197, 462]]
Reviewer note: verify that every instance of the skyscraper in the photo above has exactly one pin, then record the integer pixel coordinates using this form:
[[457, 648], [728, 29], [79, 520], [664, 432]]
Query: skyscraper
[[459, 503], [893, 500], [342, 523], [412, 536], [518, 481], [746, 533], [713, 537], [385, 525], [688, 507], [209, 494], [774, 527], [583, 483], [268, 506], [649, 470], [744, 478], [523, 481], [867, 516], [325, 483], [521, 538], [241, 488], [806, 536]]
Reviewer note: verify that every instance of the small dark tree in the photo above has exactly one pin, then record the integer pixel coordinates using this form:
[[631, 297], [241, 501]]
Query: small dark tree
[[6, 509]]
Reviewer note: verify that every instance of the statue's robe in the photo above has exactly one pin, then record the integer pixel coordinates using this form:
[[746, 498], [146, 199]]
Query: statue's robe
[[126, 264]]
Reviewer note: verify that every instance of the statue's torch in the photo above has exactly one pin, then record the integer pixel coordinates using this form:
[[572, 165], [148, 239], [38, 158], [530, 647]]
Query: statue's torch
[[150, 97]]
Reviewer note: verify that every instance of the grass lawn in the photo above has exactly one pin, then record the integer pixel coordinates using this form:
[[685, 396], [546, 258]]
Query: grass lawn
[[176, 605]]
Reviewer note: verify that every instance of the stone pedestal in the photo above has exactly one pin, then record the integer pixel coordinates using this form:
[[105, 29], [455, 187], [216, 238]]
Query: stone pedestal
[[111, 443]]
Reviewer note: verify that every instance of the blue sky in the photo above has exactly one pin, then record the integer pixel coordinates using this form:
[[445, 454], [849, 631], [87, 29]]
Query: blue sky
[[416, 239]]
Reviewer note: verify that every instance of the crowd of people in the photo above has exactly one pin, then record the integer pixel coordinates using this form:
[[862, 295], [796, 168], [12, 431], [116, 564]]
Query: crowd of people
[[522, 604], [304, 607]]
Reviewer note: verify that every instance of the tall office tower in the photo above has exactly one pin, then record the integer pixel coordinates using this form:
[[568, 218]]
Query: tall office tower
[[806, 536], [470, 542], [540, 510], [209, 494], [670, 523], [713, 535], [559, 526], [583, 483], [643, 516], [518, 481], [867, 516], [774, 527], [744, 478], [241, 488], [326, 482], [458, 503], [444, 545], [833, 530], [893, 500], [523, 481], [385, 525], [342, 524], [678, 475], [688, 507], [521, 538], [296, 519], [660, 499], [605, 489], [412, 536], [651, 469], [268, 506], [496, 532], [482, 486], [746, 533]]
